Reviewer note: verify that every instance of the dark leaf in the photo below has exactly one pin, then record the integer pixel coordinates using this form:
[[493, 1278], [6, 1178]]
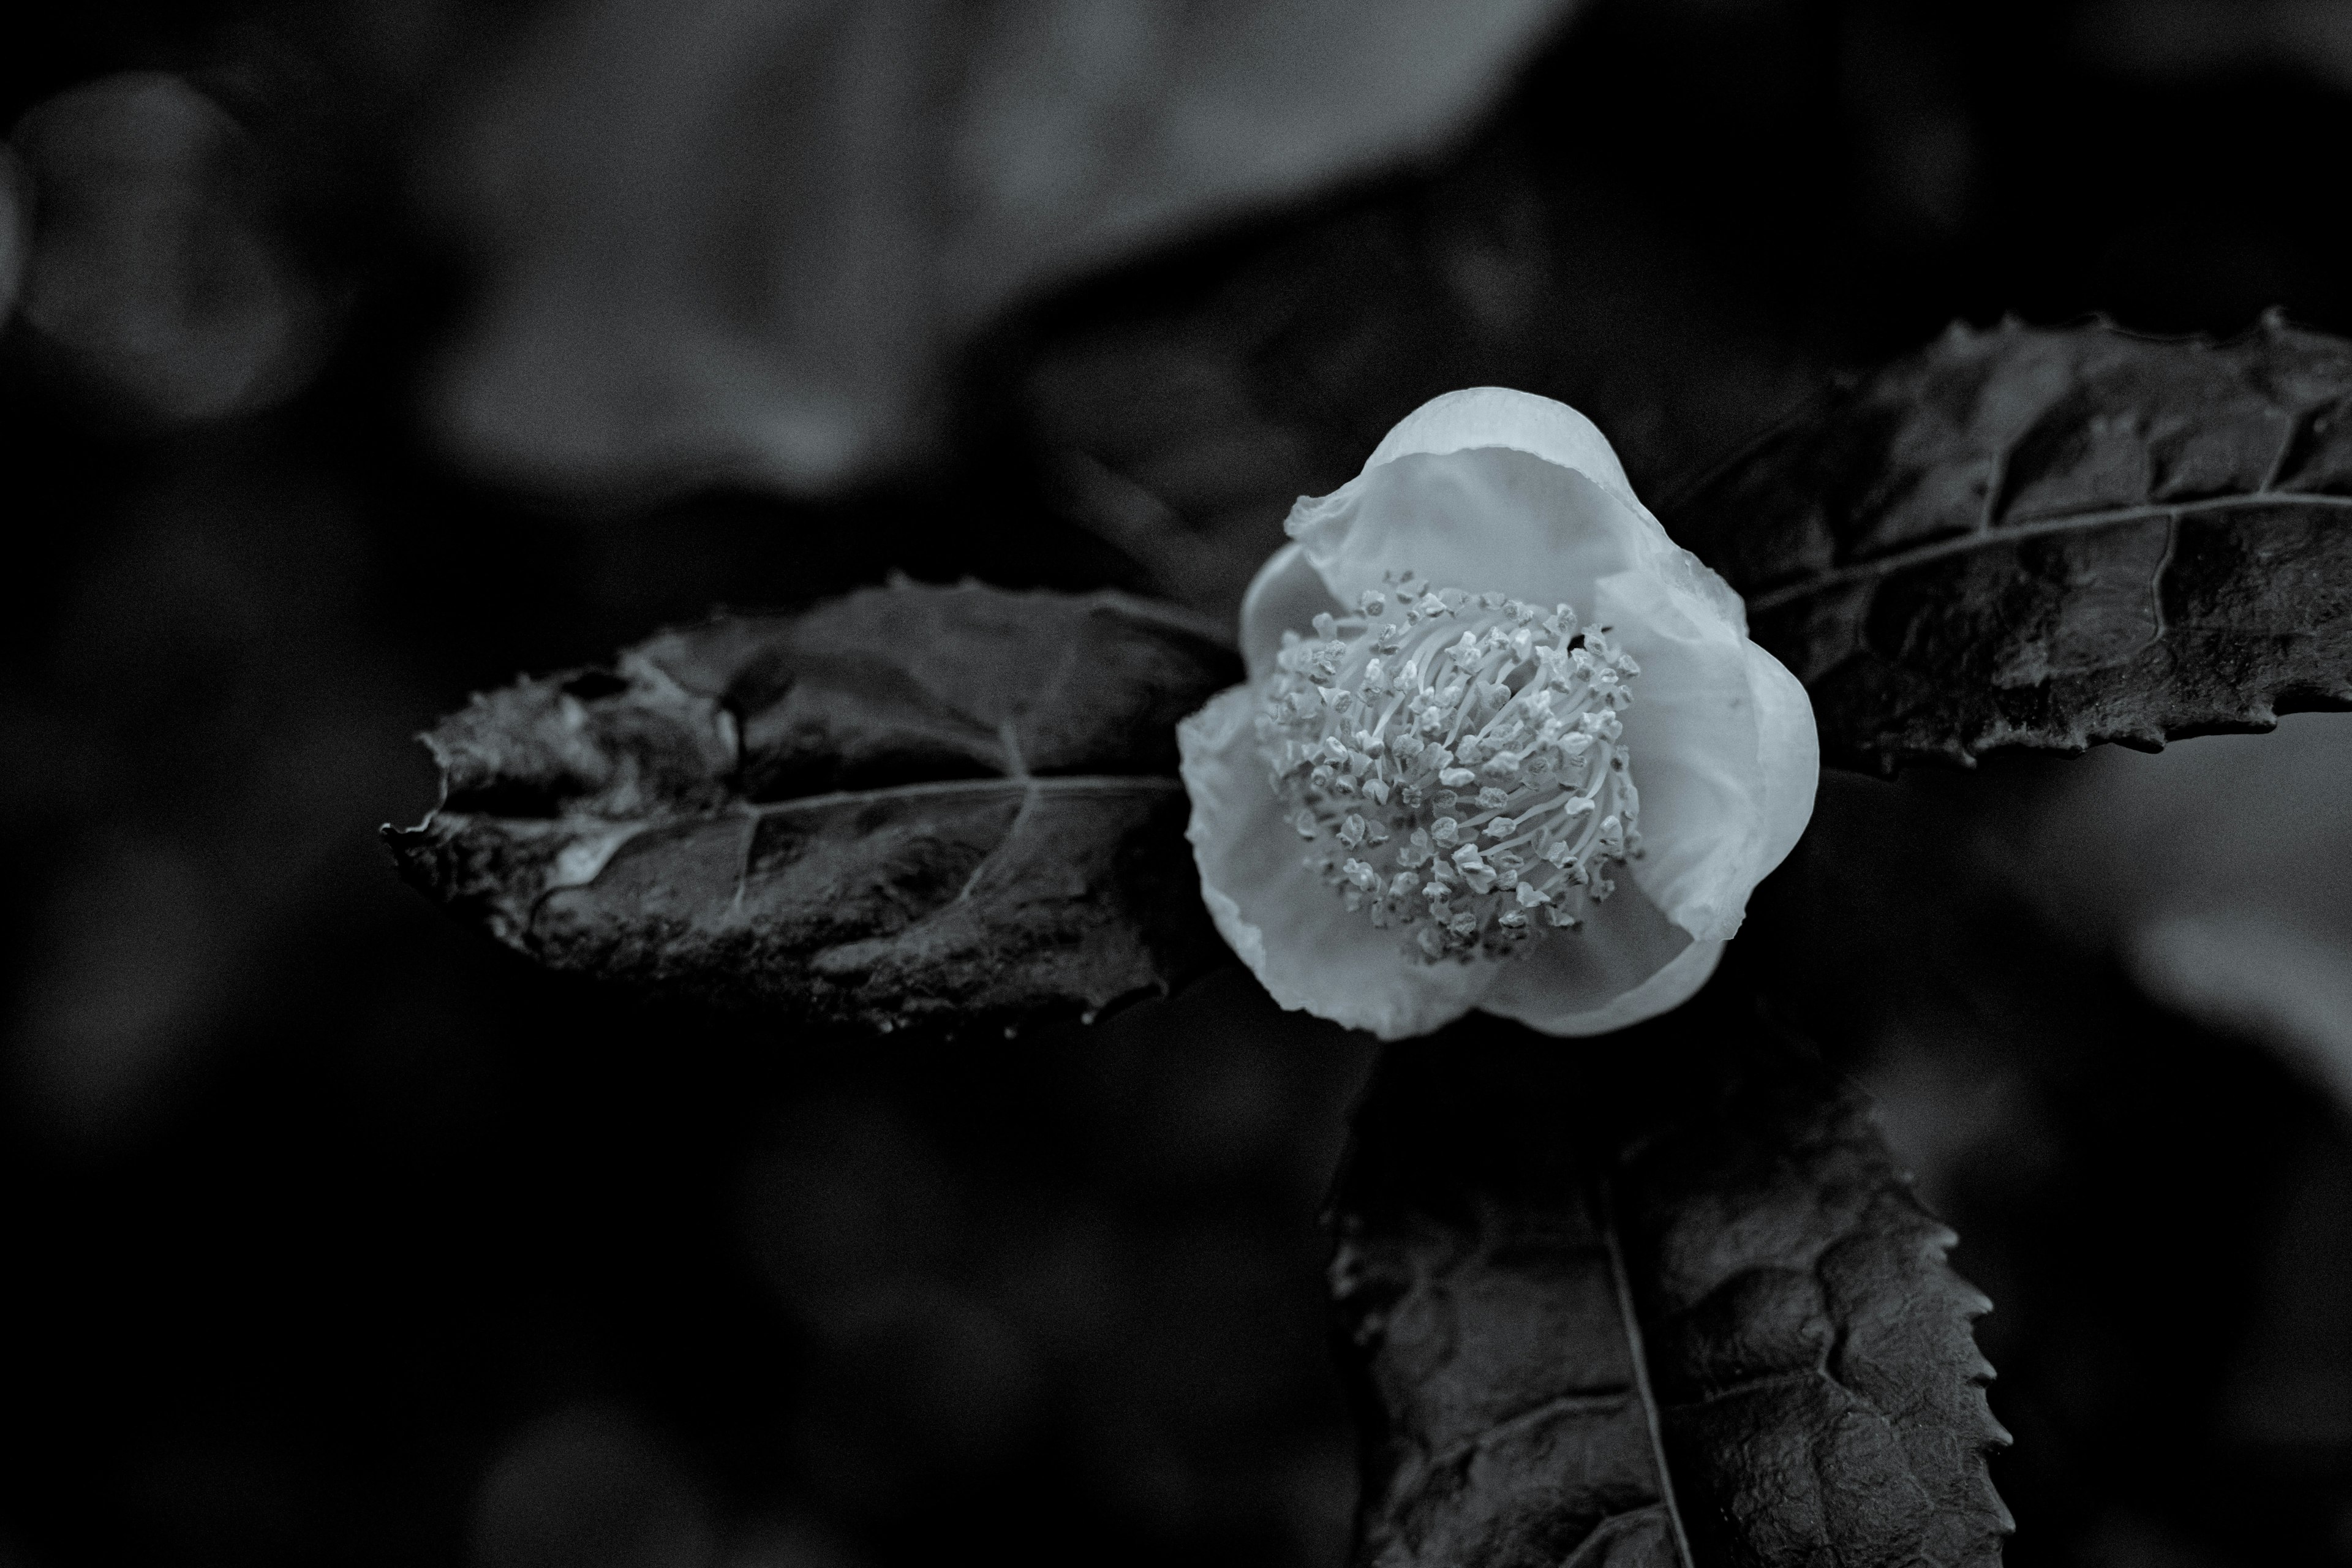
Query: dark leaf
[[913, 804], [2053, 538], [1181, 428], [1659, 1299]]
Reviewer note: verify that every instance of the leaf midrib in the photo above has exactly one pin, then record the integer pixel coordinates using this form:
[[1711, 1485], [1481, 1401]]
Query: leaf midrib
[[1605, 1207], [2070, 522], [1054, 783]]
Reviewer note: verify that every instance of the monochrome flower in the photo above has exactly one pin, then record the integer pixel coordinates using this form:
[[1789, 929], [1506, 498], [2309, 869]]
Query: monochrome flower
[[1503, 744]]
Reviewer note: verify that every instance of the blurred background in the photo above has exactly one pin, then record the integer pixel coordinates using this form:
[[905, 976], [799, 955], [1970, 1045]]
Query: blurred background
[[362, 353]]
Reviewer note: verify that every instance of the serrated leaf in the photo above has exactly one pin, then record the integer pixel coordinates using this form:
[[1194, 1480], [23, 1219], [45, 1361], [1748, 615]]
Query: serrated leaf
[[952, 807], [1662, 1298], [2052, 538]]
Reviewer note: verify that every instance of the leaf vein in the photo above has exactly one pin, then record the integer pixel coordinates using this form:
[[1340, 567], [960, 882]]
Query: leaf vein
[[1590, 1401], [1028, 805], [2074, 522], [1607, 1210], [1062, 784], [1594, 1550]]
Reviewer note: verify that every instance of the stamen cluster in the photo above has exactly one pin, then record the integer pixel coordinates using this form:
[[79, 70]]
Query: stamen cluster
[[1456, 764]]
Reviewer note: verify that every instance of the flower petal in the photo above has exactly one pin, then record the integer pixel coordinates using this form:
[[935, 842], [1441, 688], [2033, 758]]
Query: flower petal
[[1693, 737], [1304, 945], [1789, 757], [1286, 595], [1489, 518], [1520, 421], [1502, 417], [1628, 963], [1723, 747], [1490, 489]]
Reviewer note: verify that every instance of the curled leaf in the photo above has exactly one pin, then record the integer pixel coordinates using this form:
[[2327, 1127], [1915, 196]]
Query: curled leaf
[[954, 806], [2052, 538]]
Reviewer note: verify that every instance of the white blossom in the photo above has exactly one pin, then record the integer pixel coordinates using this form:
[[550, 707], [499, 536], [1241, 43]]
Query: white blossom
[[1503, 744]]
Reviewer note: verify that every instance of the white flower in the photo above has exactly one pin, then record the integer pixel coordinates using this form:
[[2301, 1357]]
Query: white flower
[[1486, 691]]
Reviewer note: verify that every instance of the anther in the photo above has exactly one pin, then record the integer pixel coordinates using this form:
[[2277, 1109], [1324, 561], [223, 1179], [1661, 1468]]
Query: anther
[[1470, 774]]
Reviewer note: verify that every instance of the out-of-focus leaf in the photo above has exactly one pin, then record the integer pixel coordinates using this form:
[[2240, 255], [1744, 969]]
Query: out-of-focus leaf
[[2179, 41], [1665, 1302], [2052, 538], [745, 241], [912, 805], [2195, 867], [1182, 431], [154, 275], [15, 227]]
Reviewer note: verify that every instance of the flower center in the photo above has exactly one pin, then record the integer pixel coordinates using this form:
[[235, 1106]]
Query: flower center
[[1457, 765]]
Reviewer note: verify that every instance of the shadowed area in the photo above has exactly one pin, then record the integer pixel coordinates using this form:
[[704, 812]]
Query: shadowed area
[[337, 1233]]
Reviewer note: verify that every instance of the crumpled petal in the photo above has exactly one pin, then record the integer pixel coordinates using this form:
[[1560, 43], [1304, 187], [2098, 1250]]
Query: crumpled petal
[[1489, 487], [1299, 940]]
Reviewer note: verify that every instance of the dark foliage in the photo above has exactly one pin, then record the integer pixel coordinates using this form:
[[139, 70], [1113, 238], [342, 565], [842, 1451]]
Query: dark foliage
[[2053, 538], [1668, 1302], [941, 807], [341, 1236]]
